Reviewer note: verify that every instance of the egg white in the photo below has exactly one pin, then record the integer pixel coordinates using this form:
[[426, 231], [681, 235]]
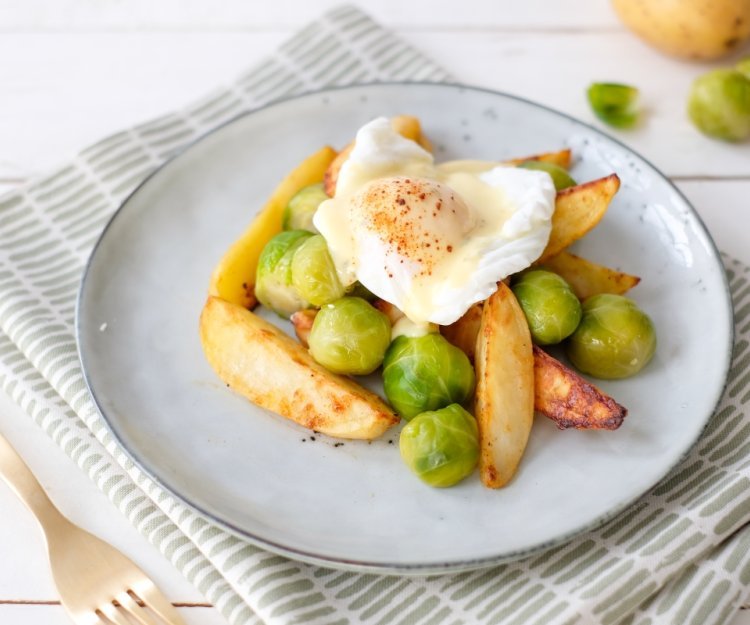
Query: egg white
[[491, 221]]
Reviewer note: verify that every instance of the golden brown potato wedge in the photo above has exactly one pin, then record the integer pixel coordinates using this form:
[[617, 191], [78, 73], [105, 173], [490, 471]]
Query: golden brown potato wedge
[[233, 279], [463, 333], [569, 400], [577, 210], [560, 158], [504, 401], [587, 278], [406, 125], [259, 361], [302, 321], [409, 126], [331, 177], [559, 392], [389, 310]]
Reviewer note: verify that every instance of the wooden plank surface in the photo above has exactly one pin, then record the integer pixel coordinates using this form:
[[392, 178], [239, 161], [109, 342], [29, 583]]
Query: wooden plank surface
[[181, 15], [96, 83]]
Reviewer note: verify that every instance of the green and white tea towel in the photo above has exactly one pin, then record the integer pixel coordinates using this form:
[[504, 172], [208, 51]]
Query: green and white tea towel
[[679, 555]]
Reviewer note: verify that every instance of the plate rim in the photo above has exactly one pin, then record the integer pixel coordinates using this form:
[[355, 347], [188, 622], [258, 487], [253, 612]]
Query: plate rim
[[415, 568]]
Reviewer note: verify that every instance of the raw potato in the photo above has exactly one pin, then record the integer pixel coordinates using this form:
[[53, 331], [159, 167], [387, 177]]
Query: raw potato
[[587, 278], [692, 29], [233, 279], [406, 125], [569, 400], [561, 159], [577, 210], [259, 361], [504, 401]]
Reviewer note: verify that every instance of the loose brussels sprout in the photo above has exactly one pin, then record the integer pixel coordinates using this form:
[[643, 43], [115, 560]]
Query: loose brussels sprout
[[719, 104], [298, 214], [551, 308], [426, 373], [273, 281], [349, 336], [614, 104], [441, 447], [743, 67], [314, 274], [561, 178], [615, 338]]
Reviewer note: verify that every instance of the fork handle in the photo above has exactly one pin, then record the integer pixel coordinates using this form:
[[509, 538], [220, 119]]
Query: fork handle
[[22, 481]]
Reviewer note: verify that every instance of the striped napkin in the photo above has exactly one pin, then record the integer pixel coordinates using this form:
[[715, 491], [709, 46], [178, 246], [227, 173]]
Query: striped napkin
[[679, 555]]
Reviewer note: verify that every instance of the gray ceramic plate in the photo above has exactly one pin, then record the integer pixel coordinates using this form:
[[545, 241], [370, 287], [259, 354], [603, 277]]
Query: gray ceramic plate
[[356, 505]]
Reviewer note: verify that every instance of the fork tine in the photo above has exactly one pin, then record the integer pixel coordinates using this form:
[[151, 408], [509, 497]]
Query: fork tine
[[131, 606], [152, 597], [112, 612], [85, 617]]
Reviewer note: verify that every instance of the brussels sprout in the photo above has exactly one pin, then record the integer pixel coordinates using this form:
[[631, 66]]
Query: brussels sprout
[[349, 336], [314, 274], [298, 214], [719, 104], [743, 67], [551, 308], [426, 373], [441, 447], [615, 338], [614, 104], [357, 289], [561, 178], [273, 281]]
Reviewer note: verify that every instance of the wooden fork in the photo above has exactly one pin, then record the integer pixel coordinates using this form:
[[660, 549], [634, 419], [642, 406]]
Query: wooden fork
[[97, 584]]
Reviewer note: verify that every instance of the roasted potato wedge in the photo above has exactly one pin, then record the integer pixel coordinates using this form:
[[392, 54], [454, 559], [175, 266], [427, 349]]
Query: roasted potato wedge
[[587, 278], [559, 392], [504, 401], [233, 279], [259, 361], [302, 321], [569, 400], [406, 125], [331, 176], [560, 158], [463, 333], [389, 310], [577, 210]]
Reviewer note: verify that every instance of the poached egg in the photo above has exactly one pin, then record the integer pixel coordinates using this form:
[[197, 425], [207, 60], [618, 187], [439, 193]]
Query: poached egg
[[431, 239]]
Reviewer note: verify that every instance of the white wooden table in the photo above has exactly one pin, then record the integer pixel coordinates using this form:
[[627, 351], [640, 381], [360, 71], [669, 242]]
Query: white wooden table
[[73, 71]]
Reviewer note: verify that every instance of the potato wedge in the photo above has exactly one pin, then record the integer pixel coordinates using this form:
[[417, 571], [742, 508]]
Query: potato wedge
[[406, 125], [302, 321], [559, 392], [569, 400], [504, 401], [389, 310], [259, 361], [587, 278], [331, 176], [233, 278], [560, 158], [463, 332], [577, 210]]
